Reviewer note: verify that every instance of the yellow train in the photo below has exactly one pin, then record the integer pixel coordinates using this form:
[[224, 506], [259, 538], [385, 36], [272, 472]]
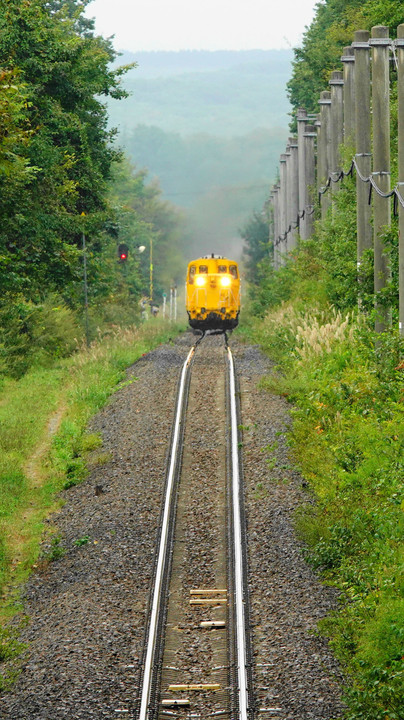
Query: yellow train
[[213, 293]]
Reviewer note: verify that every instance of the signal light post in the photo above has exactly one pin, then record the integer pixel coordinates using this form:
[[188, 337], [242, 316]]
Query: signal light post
[[84, 248], [141, 249], [151, 271]]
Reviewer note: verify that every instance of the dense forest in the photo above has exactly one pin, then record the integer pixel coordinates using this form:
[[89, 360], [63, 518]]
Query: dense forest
[[346, 384], [62, 178]]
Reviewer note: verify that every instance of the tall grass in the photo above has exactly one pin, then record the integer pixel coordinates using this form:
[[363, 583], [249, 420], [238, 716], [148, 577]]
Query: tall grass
[[347, 387], [43, 419]]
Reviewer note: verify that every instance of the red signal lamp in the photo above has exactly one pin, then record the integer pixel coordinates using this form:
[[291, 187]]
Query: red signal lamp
[[123, 252]]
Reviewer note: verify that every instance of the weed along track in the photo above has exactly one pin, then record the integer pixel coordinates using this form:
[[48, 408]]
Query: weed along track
[[197, 654]]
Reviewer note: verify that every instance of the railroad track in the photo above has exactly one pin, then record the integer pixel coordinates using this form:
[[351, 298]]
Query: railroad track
[[199, 599]]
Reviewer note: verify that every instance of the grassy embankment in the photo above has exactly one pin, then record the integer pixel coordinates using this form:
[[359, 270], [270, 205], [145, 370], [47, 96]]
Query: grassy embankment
[[43, 441], [348, 441]]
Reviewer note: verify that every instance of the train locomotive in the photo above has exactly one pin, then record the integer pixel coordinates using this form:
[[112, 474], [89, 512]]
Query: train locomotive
[[213, 293]]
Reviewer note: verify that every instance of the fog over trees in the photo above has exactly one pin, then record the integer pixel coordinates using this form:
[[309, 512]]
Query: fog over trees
[[209, 126]]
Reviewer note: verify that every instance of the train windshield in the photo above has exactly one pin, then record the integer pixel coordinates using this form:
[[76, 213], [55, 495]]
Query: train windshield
[[203, 269], [222, 268], [233, 271]]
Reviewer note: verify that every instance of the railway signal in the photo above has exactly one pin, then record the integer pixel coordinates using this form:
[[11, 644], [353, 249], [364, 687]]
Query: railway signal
[[123, 252]]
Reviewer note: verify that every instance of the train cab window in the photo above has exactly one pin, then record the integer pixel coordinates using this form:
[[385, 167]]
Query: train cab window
[[192, 271], [222, 268], [203, 269], [233, 271]]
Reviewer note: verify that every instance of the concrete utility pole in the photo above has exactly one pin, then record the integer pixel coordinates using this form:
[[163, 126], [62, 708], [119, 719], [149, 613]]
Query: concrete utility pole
[[337, 125], [271, 215], [400, 85], [348, 60], [283, 199], [271, 224], [324, 149], [302, 120], [275, 193], [317, 125], [288, 195], [294, 189], [380, 45], [309, 172], [362, 133]]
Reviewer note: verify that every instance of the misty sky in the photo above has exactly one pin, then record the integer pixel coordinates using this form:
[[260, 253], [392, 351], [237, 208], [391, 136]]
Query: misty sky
[[202, 24]]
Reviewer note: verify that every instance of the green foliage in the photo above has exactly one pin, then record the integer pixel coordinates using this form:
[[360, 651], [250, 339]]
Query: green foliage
[[14, 130], [35, 333], [56, 550], [323, 269], [56, 158], [144, 217], [333, 28], [256, 245], [10, 649], [61, 71], [59, 179], [44, 444], [346, 384]]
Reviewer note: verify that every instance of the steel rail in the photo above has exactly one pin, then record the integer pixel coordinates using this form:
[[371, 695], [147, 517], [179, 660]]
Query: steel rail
[[162, 556], [239, 569]]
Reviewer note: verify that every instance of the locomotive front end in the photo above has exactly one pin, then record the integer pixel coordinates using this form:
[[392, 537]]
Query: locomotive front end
[[213, 293]]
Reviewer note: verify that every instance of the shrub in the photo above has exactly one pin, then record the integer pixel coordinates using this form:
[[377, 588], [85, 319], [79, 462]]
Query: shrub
[[35, 333]]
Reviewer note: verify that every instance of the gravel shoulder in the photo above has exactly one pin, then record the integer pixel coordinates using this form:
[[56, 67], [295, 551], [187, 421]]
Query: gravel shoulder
[[87, 610]]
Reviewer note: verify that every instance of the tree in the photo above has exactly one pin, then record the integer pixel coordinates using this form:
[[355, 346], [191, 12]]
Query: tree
[[64, 69], [257, 247], [333, 27], [145, 218]]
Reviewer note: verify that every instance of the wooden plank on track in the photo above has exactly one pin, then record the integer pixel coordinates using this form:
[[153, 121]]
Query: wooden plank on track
[[202, 686], [208, 592], [209, 601]]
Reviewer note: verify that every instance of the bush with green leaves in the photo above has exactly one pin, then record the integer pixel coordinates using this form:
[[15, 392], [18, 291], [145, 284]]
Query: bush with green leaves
[[35, 333], [346, 384]]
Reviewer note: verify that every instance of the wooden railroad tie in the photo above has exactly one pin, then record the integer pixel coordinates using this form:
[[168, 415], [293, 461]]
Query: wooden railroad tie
[[208, 592], [209, 601], [213, 623], [202, 686]]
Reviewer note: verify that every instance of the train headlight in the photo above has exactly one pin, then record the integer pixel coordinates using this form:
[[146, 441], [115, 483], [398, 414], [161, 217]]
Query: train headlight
[[200, 280], [225, 281]]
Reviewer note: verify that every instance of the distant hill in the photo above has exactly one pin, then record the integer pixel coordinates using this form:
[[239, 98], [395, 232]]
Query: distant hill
[[222, 93], [165, 63], [210, 127]]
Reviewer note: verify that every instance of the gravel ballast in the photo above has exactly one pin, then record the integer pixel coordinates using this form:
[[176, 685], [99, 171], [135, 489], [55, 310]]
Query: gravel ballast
[[87, 609]]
